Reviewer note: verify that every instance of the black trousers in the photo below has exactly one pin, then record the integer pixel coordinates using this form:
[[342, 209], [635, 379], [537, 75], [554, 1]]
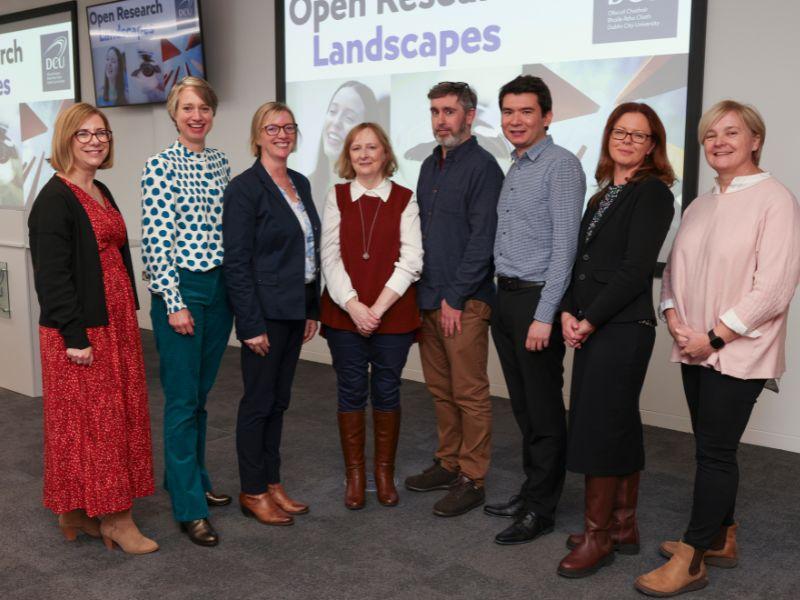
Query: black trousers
[[535, 381], [720, 408], [267, 391]]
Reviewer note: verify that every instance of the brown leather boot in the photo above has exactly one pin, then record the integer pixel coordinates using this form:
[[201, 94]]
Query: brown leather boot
[[624, 528], [596, 550], [723, 552], [289, 506], [685, 572], [263, 509], [351, 434], [386, 427]]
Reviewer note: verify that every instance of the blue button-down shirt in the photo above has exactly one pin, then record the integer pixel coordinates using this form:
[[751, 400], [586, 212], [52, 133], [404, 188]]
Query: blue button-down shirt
[[458, 212], [539, 215]]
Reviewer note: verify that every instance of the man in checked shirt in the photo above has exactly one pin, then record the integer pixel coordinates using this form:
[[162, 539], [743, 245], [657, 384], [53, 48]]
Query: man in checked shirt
[[539, 214]]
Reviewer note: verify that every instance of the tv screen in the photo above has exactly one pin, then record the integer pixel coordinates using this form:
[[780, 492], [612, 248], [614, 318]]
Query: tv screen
[[141, 48]]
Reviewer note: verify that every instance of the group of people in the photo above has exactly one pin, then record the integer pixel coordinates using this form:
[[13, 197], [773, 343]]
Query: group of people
[[469, 252]]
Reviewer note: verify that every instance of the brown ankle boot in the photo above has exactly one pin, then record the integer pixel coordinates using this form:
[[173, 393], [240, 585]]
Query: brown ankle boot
[[685, 572], [596, 549], [723, 552], [351, 434], [76, 521], [119, 528], [263, 509], [386, 427], [282, 499], [624, 528]]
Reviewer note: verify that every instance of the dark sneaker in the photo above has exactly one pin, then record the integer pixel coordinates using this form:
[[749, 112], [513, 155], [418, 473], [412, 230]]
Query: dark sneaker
[[435, 477], [462, 498]]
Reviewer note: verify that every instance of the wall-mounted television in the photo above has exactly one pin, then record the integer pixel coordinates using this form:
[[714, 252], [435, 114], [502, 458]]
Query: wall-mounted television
[[141, 48]]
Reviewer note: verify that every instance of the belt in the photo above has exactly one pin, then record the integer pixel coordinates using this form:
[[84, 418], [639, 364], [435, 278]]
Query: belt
[[511, 284]]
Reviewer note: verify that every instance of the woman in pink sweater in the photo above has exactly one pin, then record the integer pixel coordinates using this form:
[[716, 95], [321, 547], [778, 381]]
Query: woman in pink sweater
[[725, 294]]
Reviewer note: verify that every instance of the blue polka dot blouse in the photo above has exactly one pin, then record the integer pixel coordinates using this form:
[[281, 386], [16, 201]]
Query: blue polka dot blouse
[[182, 216]]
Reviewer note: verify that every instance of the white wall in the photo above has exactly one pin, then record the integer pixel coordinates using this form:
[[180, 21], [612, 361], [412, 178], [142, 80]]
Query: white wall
[[751, 55]]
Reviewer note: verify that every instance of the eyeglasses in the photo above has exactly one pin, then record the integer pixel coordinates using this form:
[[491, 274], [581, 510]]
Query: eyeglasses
[[638, 137], [288, 129], [84, 136]]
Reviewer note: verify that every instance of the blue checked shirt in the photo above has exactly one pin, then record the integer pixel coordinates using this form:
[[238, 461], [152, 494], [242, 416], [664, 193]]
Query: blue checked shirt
[[538, 218]]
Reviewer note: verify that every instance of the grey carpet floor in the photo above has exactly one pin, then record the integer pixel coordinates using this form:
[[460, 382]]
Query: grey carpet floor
[[402, 552]]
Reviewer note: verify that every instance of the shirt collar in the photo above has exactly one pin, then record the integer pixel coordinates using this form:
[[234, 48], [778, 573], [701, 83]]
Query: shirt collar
[[741, 183], [382, 190], [457, 151], [534, 151], [186, 153]]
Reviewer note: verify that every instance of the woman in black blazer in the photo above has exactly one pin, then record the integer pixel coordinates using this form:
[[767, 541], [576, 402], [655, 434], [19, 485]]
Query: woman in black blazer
[[271, 236], [608, 317]]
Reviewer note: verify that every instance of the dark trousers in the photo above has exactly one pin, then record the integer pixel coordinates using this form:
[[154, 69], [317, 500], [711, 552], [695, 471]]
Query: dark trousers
[[535, 381], [720, 408], [354, 354], [267, 391]]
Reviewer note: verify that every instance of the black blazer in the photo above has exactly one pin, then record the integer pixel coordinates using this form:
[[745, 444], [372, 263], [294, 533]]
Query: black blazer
[[612, 280], [66, 263], [265, 251]]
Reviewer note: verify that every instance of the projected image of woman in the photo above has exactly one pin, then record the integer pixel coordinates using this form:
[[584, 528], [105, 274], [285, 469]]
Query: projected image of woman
[[114, 90], [350, 104]]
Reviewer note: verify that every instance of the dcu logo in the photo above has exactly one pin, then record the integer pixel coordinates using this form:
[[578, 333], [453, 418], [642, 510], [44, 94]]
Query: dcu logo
[[186, 13], [55, 61]]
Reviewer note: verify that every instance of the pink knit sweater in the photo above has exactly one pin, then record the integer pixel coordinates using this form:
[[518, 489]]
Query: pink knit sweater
[[736, 259]]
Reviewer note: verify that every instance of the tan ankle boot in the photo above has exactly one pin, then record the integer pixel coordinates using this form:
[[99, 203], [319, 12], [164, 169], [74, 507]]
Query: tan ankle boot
[[685, 572], [723, 552], [119, 528], [76, 521]]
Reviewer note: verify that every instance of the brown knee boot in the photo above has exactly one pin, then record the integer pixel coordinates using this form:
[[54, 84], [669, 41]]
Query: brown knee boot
[[387, 431], [351, 433], [685, 572], [596, 550]]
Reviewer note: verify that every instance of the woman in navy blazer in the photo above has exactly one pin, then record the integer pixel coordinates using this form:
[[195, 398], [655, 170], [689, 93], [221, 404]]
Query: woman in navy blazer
[[271, 236]]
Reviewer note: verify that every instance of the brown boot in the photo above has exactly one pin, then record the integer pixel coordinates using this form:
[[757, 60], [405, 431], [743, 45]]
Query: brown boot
[[386, 427], [289, 506], [723, 552], [624, 528], [685, 572], [76, 521], [119, 528], [263, 509], [351, 434], [596, 550]]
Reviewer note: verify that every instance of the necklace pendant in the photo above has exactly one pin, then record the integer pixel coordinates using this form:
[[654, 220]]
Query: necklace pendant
[[365, 256]]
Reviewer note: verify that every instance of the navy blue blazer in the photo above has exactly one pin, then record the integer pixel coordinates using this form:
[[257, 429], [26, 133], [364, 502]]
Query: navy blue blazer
[[265, 251]]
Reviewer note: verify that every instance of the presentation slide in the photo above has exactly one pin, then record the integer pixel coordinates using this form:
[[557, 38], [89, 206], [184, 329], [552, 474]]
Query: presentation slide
[[141, 48], [348, 61], [37, 79]]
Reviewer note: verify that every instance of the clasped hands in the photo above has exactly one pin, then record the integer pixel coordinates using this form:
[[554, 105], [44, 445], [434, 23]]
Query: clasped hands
[[693, 344], [575, 332], [366, 318]]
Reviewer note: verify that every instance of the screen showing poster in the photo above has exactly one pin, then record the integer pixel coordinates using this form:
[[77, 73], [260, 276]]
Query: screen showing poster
[[141, 48], [38, 77], [352, 61]]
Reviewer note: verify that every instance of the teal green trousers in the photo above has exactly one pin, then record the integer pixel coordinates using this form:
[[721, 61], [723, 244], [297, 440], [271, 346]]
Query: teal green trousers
[[188, 367]]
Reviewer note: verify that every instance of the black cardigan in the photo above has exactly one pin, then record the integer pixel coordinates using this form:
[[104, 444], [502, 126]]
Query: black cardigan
[[66, 263], [612, 280]]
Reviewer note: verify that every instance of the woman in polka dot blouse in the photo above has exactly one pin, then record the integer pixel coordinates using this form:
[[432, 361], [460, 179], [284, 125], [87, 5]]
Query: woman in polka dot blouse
[[182, 191]]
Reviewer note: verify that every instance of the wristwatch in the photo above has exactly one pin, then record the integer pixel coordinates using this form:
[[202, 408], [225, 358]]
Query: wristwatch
[[716, 342]]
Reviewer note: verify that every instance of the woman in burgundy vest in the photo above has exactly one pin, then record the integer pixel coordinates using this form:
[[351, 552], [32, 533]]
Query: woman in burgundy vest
[[371, 257]]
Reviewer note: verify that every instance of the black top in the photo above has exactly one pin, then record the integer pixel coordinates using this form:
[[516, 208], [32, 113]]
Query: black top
[[66, 263], [612, 281], [458, 213]]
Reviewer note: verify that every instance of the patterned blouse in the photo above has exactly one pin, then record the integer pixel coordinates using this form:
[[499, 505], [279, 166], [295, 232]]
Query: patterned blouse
[[604, 204], [182, 216], [299, 211]]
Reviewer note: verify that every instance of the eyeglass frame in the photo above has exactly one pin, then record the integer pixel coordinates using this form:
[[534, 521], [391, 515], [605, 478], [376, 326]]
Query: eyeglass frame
[[93, 134], [281, 128], [630, 133]]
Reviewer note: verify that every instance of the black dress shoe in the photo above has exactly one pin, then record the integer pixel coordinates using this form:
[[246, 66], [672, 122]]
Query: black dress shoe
[[526, 528], [213, 499], [506, 509], [200, 532]]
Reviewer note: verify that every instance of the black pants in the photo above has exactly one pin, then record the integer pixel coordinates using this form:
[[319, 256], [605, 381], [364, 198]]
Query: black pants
[[720, 408], [535, 381], [267, 391]]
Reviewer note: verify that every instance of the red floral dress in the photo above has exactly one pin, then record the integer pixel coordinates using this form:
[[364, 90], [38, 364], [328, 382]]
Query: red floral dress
[[97, 448]]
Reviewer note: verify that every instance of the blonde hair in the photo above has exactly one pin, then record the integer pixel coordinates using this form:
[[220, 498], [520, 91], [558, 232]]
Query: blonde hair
[[344, 166], [68, 122], [749, 114], [201, 88], [262, 112]]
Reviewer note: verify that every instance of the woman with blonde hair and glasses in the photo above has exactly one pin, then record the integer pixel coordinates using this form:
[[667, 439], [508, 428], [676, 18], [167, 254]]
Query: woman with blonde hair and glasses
[[725, 295], [272, 273], [97, 447]]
